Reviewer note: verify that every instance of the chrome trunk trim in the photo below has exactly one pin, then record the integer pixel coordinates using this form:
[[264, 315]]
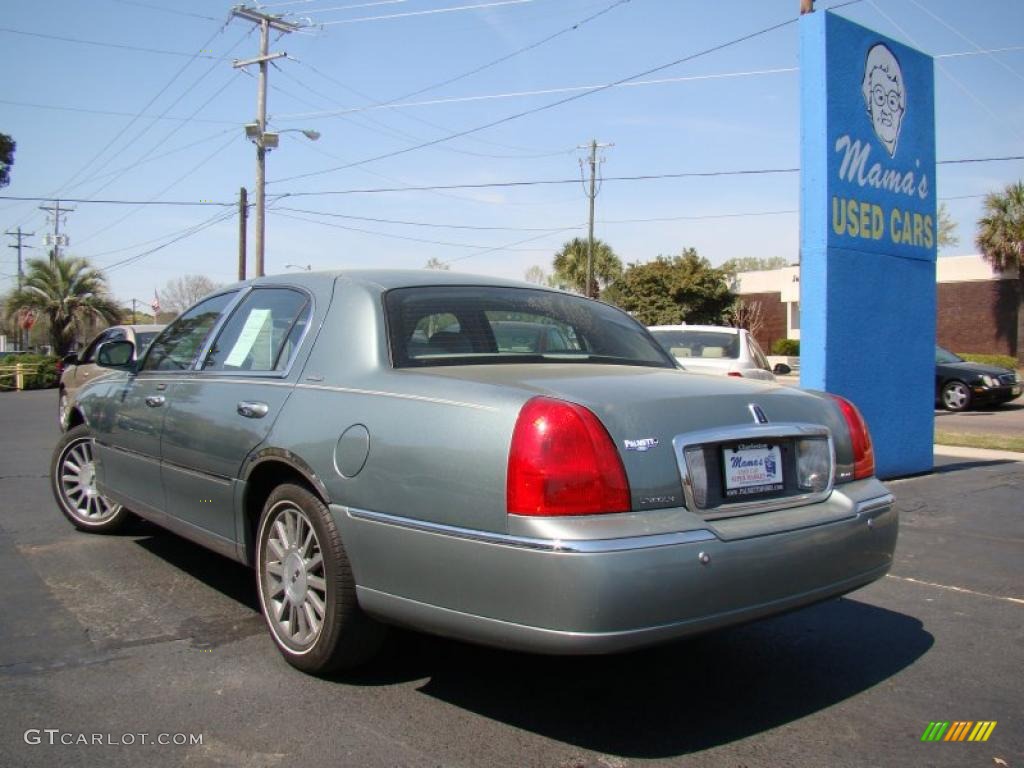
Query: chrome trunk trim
[[573, 546], [771, 431]]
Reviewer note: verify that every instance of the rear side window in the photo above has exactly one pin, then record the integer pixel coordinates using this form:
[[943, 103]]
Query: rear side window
[[262, 334], [176, 348], [475, 325]]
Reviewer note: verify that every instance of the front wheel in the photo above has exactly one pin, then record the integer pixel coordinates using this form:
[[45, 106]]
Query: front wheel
[[62, 409], [73, 480], [306, 588], [956, 396]]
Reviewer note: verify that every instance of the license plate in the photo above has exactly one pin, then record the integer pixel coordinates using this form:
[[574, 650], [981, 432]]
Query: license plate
[[751, 468]]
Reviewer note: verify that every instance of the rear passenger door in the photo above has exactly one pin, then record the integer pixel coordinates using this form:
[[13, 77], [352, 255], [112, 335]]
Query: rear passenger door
[[219, 413]]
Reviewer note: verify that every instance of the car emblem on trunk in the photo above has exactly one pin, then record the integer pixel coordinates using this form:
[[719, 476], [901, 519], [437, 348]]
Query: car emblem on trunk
[[643, 444], [757, 413]]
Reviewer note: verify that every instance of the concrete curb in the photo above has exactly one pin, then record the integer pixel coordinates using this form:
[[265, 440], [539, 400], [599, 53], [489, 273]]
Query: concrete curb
[[961, 452]]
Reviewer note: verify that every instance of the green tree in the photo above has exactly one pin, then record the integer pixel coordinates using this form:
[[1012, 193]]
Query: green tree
[[947, 228], [675, 289], [1001, 242], [436, 263], [570, 265], [7, 147], [752, 264], [68, 293]]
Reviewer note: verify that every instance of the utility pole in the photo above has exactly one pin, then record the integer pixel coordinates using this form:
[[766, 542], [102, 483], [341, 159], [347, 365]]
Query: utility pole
[[58, 239], [134, 302], [21, 273], [591, 194], [258, 131], [243, 222]]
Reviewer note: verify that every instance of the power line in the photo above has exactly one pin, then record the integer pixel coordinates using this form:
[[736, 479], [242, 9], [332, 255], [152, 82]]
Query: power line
[[482, 185], [429, 12], [535, 92], [399, 102], [433, 225], [220, 217], [168, 187], [102, 44], [393, 236], [523, 153], [507, 56], [112, 113], [90, 201], [543, 107], [139, 114], [165, 10]]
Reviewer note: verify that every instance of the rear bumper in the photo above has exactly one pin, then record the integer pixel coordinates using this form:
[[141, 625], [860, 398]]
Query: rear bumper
[[600, 596]]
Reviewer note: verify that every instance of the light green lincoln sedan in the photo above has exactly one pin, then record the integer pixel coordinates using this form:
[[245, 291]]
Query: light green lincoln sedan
[[478, 458]]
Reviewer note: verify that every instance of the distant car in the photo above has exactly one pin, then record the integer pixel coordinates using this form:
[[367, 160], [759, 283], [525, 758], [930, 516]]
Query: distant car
[[714, 349], [960, 384], [395, 448], [78, 369]]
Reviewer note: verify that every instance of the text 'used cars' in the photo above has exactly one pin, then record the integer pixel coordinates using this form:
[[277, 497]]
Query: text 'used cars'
[[478, 458]]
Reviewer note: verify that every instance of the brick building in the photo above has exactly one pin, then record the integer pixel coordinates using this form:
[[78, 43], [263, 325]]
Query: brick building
[[977, 306]]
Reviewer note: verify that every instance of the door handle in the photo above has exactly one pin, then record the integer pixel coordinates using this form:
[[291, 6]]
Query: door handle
[[253, 410], [155, 401]]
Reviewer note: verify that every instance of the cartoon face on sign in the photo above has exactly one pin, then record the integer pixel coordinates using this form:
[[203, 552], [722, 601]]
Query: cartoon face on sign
[[884, 95]]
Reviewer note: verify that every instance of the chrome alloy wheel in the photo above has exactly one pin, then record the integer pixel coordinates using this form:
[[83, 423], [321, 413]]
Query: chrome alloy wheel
[[76, 479], [956, 396], [294, 585], [62, 409]]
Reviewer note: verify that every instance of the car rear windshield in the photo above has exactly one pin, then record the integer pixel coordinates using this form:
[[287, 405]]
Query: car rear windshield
[[703, 344], [473, 325]]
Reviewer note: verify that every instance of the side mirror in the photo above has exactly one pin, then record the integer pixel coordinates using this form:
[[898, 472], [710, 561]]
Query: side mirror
[[116, 354], [71, 359], [781, 369]]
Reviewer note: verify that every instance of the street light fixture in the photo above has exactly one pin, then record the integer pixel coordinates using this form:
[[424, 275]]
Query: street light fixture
[[306, 268], [263, 139]]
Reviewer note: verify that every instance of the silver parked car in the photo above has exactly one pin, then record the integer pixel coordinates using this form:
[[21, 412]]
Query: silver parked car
[[81, 368], [715, 349], [478, 458]]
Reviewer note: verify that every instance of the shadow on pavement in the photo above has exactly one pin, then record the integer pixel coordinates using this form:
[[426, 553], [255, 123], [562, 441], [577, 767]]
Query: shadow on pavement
[[231, 579], [667, 701], [674, 699], [958, 466]]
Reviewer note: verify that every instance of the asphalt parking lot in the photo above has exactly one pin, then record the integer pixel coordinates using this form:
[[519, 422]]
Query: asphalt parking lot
[[144, 633]]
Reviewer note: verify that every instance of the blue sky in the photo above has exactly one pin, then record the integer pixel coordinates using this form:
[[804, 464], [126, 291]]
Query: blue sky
[[103, 122]]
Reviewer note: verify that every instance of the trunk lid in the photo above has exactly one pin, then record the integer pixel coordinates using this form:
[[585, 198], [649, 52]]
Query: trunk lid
[[645, 409]]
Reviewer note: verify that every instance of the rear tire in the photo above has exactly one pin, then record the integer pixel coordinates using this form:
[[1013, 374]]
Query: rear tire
[[306, 588], [956, 396], [73, 481]]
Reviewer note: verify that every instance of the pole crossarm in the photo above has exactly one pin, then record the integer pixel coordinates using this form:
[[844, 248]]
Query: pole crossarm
[[257, 60]]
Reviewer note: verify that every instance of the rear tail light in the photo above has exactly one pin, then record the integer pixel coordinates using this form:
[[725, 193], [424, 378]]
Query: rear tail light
[[860, 439], [562, 461], [736, 374]]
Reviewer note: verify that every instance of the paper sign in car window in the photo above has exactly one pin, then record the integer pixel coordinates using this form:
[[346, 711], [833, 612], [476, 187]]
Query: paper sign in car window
[[257, 325]]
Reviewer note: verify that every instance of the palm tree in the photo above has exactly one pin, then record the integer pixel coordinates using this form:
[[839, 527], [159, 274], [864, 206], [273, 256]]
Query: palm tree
[[1001, 242], [570, 266], [68, 292]]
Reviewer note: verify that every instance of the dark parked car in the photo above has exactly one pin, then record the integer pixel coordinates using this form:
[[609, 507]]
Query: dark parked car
[[479, 458], [960, 385]]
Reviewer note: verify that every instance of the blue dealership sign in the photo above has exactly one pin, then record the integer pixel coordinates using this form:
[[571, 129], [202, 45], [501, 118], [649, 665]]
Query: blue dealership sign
[[869, 232]]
